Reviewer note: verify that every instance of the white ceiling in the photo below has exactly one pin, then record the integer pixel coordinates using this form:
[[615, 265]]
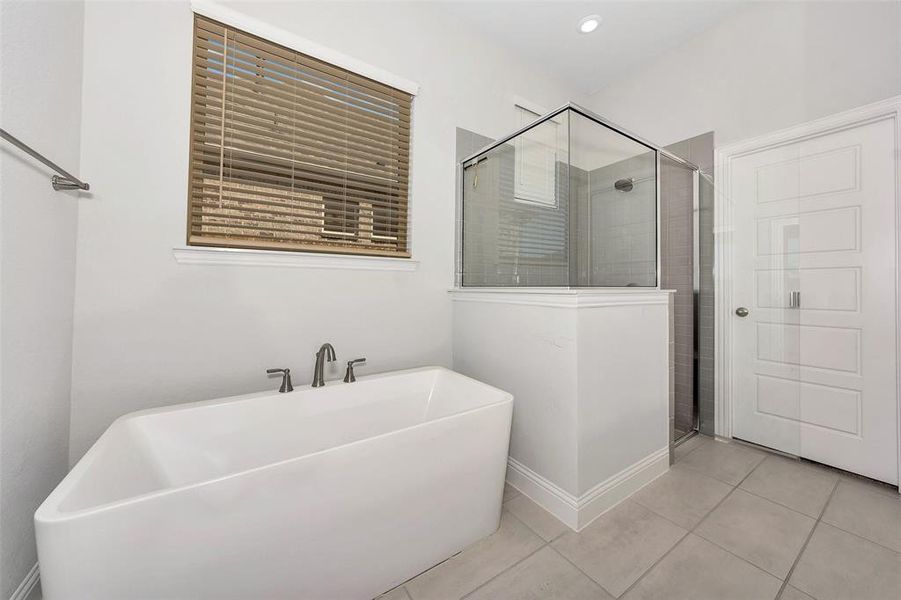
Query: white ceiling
[[632, 32]]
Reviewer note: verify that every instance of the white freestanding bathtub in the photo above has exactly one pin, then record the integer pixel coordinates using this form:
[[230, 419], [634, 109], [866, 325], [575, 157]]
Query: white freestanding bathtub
[[339, 492]]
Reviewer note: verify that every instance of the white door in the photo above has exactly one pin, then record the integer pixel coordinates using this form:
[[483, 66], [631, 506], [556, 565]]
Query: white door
[[814, 360]]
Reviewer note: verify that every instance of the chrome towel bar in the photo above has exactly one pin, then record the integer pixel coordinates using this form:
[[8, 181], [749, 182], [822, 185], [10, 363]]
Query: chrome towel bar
[[63, 181]]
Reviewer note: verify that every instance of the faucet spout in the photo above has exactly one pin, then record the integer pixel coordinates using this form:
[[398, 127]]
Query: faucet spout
[[326, 353]]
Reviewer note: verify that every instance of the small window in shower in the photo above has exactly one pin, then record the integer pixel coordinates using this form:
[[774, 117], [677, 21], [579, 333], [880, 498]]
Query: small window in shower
[[535, 172]]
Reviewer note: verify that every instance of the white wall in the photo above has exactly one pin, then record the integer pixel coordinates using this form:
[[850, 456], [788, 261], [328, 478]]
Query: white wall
[[40, 96], [771, 66], [150, 332], [530, 351]]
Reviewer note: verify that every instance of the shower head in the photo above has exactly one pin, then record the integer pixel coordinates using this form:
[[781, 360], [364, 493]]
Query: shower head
[[624, 185]]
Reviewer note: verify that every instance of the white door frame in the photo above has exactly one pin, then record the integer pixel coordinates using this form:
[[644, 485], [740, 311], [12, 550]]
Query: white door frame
[[889, 108]]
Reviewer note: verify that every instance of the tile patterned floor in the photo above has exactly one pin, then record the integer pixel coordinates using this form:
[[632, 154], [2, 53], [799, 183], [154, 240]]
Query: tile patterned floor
[[727, 521]]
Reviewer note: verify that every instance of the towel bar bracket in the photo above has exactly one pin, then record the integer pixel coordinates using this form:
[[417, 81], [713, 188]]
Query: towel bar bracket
[[63, 183]]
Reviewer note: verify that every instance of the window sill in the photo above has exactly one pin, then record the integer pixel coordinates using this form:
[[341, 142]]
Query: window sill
[[197, 255]]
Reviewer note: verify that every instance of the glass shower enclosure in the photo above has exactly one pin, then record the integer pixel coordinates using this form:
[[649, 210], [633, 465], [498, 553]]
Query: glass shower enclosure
[[567, 201], [574, 201]]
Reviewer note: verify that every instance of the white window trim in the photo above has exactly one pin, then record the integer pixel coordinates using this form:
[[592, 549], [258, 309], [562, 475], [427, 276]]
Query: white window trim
[[239, 20], [244, 257]]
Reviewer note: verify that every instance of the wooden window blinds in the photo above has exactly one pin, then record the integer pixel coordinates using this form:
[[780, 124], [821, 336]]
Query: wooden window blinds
[[291, 153]]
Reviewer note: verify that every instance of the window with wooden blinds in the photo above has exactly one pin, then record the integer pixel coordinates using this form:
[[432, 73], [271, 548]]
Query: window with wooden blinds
[[291, 153]]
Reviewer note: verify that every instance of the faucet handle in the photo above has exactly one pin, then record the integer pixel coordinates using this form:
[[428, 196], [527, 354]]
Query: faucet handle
[[286, 379], [349, 375]]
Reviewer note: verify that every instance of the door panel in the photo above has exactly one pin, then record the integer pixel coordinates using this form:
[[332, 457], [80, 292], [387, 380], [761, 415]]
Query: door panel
[[815, 372], [765, 191]]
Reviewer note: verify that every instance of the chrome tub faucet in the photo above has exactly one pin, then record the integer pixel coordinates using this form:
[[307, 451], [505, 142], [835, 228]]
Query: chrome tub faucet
[[326, 353]]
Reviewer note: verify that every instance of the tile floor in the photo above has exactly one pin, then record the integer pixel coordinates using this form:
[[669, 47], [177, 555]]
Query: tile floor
[[727, 521]]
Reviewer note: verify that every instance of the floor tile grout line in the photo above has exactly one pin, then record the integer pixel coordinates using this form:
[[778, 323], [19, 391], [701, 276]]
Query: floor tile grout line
[[834, 526], [807, 541], [664, 517], [817, 521], [776, 502], [516, 495], [703, 440], [503, 509], [532, 529], [715, 506], [822, 510], [544, 544], [688, 531], [884, 489], [514, 565], [860, 537], [696, 470], [737, 486], [579, 569], [656, 562], [741, 558], [726, 497], [691, 530]]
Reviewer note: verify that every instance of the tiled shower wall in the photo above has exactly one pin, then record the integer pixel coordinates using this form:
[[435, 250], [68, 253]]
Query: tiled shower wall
[[677, 273], [693, 308], [623, 230]]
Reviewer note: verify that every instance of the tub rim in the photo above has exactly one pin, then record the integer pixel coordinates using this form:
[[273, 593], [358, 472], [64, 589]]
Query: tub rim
[[48, 511]]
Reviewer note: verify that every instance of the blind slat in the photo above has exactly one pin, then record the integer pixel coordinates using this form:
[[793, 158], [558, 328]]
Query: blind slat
[[294, 174], [297, 200], [315, 123], [238, 60], [263, 86], [301, 149], [206, 29]]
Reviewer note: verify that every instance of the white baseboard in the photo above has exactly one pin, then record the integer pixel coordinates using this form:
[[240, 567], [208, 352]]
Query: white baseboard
[[547, 495], [578, 512], [28, 584]]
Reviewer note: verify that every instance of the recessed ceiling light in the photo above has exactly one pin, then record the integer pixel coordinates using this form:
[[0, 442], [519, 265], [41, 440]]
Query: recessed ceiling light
[[589, 23]]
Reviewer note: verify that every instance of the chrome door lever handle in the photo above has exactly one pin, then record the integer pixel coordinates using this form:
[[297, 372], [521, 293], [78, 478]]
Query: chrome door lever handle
[[794, 299]]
